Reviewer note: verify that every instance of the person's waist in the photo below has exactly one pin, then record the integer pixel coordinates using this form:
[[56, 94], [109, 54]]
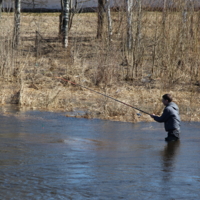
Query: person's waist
[[173, 130]]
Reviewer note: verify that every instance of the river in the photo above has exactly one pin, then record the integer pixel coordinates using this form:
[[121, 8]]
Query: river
[[45, 155]]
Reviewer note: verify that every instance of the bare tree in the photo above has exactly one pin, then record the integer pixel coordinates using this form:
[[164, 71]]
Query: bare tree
[[139, 22], [16, 35], [100, 12], [184, 25], [191, 9], [184, 12], [109, 19], [138, 50], [129, 8], [72, 10], [61, 18], [164, 15], [0, 7], [64, 25]]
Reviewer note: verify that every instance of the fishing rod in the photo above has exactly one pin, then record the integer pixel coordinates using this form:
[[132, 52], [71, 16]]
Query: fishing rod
[[103, 95]]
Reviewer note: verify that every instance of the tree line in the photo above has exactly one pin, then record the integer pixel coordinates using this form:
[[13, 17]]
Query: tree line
[[68, 8], [170, 43]]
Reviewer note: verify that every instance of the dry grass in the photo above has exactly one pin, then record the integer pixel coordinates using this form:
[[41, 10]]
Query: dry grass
[[139, 77]]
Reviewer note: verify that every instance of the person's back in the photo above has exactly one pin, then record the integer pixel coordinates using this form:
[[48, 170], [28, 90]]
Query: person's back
[[170, 117]]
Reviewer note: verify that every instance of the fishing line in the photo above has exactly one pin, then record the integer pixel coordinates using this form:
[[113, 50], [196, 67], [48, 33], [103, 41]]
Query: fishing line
[[103, 95]]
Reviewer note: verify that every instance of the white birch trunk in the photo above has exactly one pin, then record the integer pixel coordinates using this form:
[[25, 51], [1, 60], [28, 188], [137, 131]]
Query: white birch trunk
[[65, 22], [109, 19], [17, 23], [129, 8], [184, 14]]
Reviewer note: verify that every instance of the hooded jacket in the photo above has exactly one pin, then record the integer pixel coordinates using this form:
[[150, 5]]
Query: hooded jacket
[[170, 117]]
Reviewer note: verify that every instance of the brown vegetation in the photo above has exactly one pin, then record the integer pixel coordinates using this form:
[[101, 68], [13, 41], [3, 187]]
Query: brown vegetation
[[165, 59]]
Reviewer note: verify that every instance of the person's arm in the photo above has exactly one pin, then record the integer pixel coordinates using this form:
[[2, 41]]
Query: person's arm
[[163, 117]]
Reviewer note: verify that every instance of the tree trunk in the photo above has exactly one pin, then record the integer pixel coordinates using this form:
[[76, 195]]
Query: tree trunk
[[192, 9], [16, 35], [100, 13], [139, 22], [72, 9], [65, 28], [138, 49], [0, 8], [164, 15], [109, 20], [129, 8], [61, 19], [184, 25], [185, 13]]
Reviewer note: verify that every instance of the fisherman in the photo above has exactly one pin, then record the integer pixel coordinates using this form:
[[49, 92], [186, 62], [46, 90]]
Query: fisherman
[[170, 117]]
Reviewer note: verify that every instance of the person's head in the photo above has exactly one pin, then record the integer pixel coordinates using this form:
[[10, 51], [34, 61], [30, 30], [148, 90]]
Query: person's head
[[166, 99]]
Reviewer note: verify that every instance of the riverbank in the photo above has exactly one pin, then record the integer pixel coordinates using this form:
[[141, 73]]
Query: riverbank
[[28, 75], [82, 103]]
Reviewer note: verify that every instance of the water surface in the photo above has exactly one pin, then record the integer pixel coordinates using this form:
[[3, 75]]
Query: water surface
[[46, 155]]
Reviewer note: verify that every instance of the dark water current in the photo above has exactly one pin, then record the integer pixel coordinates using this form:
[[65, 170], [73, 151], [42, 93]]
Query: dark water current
[[48, 156]]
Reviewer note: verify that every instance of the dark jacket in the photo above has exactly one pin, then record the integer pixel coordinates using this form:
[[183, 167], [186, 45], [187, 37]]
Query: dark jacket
[[170, 117]]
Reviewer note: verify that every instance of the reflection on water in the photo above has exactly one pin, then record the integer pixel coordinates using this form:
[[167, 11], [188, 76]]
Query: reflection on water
[[169, 155], [45, 155]]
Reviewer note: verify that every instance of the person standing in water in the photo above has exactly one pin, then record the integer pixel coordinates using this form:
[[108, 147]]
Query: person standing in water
[[170, 117]]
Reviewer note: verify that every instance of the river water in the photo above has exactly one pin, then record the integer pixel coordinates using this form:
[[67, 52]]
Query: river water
[[48, 156]]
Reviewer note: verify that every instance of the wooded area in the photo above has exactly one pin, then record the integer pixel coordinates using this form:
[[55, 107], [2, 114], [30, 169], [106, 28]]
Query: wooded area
[[186, 28], [114, 50]]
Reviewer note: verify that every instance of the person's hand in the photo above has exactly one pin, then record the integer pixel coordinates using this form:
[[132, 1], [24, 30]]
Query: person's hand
[[152, 116]]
